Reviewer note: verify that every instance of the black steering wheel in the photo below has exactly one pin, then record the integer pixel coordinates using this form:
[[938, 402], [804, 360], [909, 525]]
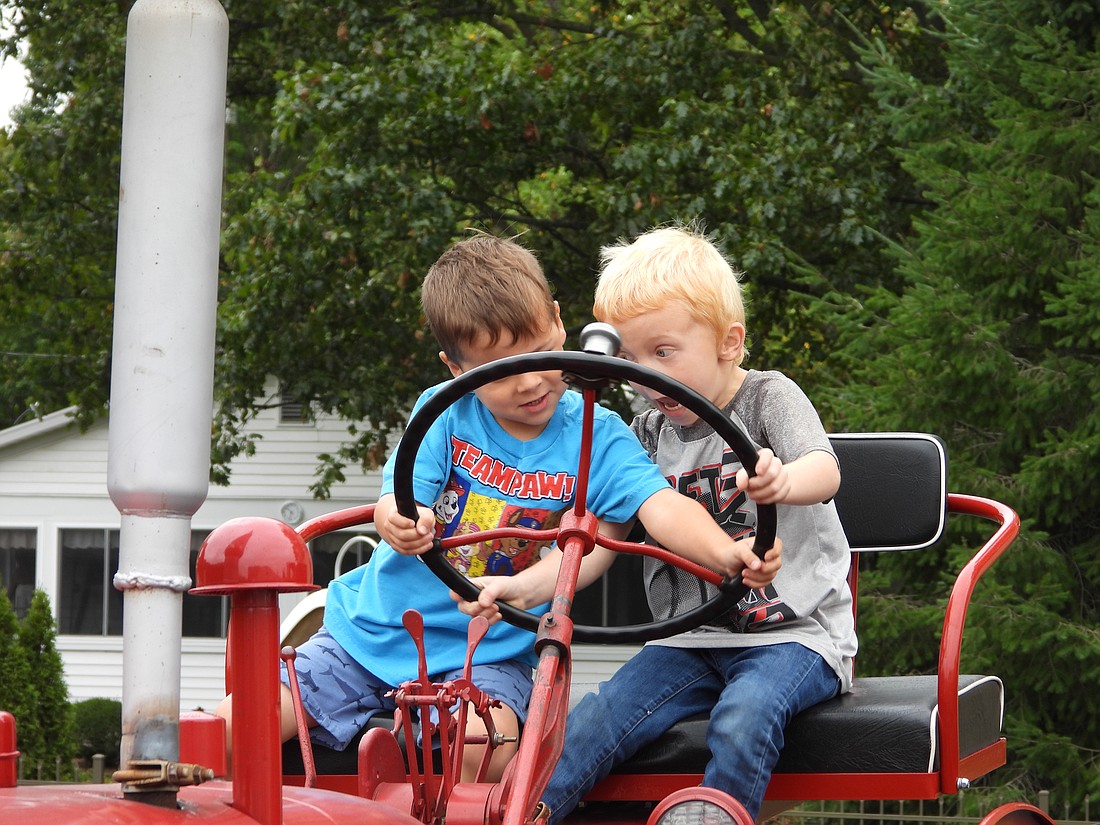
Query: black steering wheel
[[589, 369]]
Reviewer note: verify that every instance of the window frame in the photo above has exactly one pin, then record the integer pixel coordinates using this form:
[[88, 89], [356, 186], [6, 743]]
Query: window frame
[[211, 612]]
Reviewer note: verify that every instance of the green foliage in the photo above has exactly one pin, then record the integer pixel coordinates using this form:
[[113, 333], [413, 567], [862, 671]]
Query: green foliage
[[573, 124], [50, 714], [993, 344], [365, 138], [97, 725], [15, 697], [33, 688], [58, 202]]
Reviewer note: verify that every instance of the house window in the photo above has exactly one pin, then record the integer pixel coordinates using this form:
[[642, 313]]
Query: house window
[[17, 566], [203, 616], [89, 604], [336, 553]]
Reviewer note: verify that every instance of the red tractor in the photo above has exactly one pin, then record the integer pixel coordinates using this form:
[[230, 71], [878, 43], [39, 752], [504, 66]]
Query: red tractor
[[895, 738], [889, 738]]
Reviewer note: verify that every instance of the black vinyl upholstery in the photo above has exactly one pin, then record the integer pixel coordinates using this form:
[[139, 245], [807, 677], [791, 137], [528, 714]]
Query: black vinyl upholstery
[[893, 497], [893, 490], [883, 725]]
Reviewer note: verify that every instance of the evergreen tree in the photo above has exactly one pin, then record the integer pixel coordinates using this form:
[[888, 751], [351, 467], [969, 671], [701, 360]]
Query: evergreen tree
[[14, 686], [51, 714], [994, 343]]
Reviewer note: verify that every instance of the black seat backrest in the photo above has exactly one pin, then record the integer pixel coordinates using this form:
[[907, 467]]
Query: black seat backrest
[[893, 490]]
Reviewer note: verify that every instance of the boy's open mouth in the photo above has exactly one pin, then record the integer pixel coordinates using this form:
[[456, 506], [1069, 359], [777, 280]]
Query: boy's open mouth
[[667, 405]]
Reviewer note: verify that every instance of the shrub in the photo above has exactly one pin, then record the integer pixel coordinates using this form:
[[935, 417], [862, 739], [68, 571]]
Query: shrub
[[50, 717], [98, 728]]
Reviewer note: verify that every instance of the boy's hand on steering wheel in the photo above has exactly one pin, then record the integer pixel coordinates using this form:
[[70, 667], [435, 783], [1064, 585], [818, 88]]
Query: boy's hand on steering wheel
[[763, 575], [772, 482], [493, 588], [408, 537]]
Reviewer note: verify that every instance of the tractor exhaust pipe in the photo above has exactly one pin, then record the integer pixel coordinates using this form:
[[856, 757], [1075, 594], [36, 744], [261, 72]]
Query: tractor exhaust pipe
[[169, 220]]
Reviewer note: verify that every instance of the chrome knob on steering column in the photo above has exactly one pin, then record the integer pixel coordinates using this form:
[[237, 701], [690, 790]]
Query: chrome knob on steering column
[[601, 339]]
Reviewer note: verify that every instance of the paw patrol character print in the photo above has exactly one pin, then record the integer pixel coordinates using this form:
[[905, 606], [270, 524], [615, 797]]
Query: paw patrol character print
[[447, 506], [502, 560]]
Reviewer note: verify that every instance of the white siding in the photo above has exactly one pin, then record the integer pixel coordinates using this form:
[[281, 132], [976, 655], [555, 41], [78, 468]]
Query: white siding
[[595, 663], [93, 669], [57, 464], [53, 477]]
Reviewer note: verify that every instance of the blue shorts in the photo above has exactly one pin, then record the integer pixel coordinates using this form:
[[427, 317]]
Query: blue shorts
[[342, 695]]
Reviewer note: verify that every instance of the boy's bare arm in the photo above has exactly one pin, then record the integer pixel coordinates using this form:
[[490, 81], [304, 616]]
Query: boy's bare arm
[[811, 479], [408, 537], [535, 585], [684, 527]]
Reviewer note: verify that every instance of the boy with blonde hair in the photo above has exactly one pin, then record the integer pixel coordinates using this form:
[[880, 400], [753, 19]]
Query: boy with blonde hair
[[485, 298], [677, 304]]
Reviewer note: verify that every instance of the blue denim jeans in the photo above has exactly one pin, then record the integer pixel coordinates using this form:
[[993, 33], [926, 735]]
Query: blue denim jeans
[[751, 694]]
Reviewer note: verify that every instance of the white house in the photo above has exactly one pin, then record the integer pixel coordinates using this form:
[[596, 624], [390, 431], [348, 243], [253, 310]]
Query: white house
[[59, 533]]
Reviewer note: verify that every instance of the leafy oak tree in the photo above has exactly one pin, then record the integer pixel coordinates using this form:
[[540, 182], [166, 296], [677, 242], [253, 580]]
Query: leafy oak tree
[[572, 124], [365, 137]]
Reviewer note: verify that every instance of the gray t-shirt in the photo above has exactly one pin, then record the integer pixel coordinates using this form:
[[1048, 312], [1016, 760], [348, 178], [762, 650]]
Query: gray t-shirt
[[809, 601]]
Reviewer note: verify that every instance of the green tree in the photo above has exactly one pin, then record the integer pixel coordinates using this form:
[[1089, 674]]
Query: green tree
[[97, 725], [994, 344], [571, 123], [15, 695], [366, 137], [51, 715], [58, 202]]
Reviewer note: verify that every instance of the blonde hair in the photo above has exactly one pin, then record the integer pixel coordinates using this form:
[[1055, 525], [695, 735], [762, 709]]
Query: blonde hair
[[485, 284], [671, 263]]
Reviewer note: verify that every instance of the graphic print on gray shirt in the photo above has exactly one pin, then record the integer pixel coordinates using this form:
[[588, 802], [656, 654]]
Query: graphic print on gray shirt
[[809, 601]]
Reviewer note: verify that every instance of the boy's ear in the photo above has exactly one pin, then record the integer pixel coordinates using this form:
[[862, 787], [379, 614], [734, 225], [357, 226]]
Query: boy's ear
[[455, 369], [731, 347], [561, 334]]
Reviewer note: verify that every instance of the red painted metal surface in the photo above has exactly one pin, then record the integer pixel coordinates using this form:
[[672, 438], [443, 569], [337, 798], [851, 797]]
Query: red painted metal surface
[[534, 759], [252, 560], [1017, 813], [9, 756], [257, 759], [955, 620], [329, 522], [253, 553], [202, 741], [694, 797], [210, 804], [288, 654]]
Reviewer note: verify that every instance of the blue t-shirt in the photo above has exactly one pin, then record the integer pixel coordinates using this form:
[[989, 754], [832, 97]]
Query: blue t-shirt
[[478, 477]]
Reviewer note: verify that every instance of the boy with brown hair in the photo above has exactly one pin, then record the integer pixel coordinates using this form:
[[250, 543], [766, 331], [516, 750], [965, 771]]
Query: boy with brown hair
[[485, 298]]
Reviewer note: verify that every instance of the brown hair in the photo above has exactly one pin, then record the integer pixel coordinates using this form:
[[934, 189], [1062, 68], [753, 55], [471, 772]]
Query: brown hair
[[484, 284]]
